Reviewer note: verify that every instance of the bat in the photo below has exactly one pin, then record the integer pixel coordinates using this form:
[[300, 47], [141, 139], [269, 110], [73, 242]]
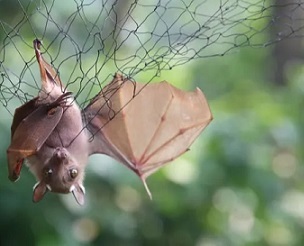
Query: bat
[[142, 126]]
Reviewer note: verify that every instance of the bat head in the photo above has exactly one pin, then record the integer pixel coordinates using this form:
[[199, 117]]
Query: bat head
[[62, 174]]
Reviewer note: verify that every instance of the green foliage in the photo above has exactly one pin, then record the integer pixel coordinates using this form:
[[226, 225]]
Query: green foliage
[[241, 183]]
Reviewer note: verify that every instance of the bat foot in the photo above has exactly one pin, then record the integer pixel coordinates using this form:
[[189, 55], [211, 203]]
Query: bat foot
[[37, 43], [62, 101]]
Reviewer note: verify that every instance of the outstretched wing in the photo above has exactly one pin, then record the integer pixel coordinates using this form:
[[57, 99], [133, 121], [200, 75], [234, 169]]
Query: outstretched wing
[[145, 126]]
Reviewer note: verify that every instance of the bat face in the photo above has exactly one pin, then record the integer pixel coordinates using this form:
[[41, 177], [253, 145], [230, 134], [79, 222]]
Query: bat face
[[61, 174]]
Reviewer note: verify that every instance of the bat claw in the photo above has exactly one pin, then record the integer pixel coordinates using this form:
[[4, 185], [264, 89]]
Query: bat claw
[[13, 177], [37, 44], [15, 174], [62, 100]]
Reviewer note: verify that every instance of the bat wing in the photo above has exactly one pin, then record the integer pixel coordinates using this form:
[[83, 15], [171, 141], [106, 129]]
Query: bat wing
[[22, 112], [31, 127], [148, 130]]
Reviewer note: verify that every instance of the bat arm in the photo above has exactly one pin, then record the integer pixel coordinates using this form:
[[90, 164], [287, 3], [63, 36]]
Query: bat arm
[[101, 145], [200, 125]]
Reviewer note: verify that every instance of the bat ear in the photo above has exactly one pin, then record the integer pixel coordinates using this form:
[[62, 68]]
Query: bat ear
[[78, 192], [39, 190]]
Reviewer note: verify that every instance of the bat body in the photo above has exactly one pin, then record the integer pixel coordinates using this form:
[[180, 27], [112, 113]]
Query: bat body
[[141, 126], [48, 132], [60, 162]]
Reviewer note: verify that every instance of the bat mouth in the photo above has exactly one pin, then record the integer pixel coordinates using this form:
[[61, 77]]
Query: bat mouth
[[57, 188], [60, 190]]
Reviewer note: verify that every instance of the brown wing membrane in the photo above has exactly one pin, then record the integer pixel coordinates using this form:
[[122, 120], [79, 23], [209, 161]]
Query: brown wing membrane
[[22, 112], [30, 135], [149, 130]]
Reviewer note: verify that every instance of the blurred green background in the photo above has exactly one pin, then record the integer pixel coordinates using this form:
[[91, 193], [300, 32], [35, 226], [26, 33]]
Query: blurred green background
[[241, 183]]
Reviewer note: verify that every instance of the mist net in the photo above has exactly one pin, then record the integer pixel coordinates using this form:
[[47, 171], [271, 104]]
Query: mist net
[[88, 41]]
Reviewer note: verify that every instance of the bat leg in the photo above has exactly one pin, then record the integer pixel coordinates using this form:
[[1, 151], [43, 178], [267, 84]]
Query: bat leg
[[60, 102]]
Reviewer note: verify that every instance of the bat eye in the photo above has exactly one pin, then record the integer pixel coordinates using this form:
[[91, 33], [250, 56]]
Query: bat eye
[[48, 173], [73, 173]]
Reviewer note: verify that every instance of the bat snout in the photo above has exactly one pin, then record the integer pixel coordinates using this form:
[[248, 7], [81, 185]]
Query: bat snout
[[61, 154], [58, 187]]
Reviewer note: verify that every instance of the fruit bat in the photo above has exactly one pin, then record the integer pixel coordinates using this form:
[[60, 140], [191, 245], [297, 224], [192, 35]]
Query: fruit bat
[[142, 126]]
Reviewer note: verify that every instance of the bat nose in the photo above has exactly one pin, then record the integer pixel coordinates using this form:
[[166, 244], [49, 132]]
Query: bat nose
[[60, 154]]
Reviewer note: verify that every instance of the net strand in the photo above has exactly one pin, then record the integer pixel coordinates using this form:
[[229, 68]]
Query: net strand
[[87, 42]]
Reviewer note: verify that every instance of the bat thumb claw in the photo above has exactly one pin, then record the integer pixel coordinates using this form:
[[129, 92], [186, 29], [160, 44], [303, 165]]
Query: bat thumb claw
[[13, 177]]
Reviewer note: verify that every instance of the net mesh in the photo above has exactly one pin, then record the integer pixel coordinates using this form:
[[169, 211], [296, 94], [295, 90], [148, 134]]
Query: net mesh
[[87, 41]]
